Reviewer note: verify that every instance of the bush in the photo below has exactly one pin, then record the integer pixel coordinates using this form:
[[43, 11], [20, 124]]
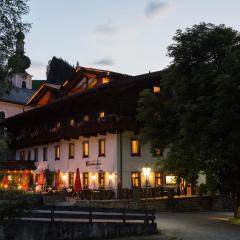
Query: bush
[[203, 189]]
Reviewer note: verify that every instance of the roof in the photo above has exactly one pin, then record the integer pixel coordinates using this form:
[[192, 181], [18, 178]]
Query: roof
[[16, 165], [18, 95], [36, 84]]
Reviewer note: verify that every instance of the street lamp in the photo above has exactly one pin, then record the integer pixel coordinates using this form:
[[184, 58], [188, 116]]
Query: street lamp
[[146, 173]]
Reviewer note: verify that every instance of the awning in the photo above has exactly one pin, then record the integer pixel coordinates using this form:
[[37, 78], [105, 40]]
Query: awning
[[16, 165]]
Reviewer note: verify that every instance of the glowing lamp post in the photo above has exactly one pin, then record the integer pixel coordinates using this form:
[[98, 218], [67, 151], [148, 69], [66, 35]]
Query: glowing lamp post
[[146, 173]]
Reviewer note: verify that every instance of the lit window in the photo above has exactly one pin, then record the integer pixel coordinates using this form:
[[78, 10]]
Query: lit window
[[85, 149], [157, 152], [101, 114], [45, 154], [70, 179], [85, 180], [57, 152], [136, 180], [22, 155], [35, 155], [86, 118], [72, 122], [135, 147], [105, 80], [58, 125], [156, 89], [158, 179], [101, 148], [71, 150], [171, 180], [101, 179]]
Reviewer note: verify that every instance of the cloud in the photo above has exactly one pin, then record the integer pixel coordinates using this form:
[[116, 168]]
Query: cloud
[[37, 64], [154, 8], [104, 30], [104, 62]]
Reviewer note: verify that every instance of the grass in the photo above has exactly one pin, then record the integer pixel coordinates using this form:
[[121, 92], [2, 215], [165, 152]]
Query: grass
[[235, 221]]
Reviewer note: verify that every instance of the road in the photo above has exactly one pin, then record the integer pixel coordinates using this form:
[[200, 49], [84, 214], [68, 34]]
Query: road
[[194, 226]]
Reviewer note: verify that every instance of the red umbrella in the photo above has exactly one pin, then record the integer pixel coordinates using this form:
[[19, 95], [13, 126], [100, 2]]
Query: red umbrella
[[77, 184], [5, 181], [57, 180], [41, 178]]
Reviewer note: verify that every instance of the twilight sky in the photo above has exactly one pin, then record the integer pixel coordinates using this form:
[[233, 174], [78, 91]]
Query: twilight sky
[[127, 36]]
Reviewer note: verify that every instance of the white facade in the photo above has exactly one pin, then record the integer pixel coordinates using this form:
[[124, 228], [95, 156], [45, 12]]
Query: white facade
[[11, 109], [22, 80], [110, 164]]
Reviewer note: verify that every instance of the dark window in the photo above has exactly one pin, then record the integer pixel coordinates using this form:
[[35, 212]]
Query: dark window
[[136, 179], [23, 84], [135, 147], [29, 155], [71, 150], [57, 152], [101, 148], [2, 115], [85, 180], [70, 179], [45, 154], [158, 179], [101, 179], [36, 155], [85, 149], [22, 155]]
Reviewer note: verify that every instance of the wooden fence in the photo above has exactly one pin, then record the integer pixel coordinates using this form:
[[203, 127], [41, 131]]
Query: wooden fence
[[87, 214]]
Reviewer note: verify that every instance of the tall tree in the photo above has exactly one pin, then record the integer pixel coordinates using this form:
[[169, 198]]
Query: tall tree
[[198, 110], [58, 71], [11, 13]]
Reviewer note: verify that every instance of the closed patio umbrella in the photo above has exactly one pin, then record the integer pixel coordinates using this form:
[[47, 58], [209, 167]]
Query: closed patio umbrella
[[25, 181], [77, 184], [5, 181]]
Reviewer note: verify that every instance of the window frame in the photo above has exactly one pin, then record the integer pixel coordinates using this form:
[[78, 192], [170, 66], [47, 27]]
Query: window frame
[[158, 178], [45, 153], [138, 179], [83, 149], [57, 152], [100, 154], [22, 155], [29, 155], [138, 154], [101, 177], [71, 156], [36, 155], [85, 180]]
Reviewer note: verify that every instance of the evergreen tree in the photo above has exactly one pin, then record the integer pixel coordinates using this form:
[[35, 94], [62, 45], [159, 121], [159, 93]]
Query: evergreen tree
[[58, 71], [197, 113]]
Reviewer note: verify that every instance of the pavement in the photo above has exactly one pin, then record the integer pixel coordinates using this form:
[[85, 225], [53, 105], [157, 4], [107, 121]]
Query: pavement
[[193, 226]]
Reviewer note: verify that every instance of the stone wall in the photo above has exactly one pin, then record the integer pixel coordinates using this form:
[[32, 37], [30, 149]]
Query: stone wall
[[36, 230]]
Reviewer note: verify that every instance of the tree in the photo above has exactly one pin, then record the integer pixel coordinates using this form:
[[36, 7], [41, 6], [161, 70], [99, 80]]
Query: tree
[[11, 12], [198, 110], [58, 71]]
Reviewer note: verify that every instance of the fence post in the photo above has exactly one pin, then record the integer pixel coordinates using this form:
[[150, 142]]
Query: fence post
[[146, 217], [90, 215], [124, 215], [52, 213]]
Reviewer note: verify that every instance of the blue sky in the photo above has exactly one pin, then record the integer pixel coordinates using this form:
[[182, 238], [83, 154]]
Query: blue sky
[[127, 36]]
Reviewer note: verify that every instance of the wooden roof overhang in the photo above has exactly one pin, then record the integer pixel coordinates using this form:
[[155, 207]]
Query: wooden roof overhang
[[116, 97], [16, 165]]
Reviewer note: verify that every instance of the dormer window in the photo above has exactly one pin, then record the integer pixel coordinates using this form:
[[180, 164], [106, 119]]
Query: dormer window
[[156, 89], [101, 114], [105, 80], [86, 118]]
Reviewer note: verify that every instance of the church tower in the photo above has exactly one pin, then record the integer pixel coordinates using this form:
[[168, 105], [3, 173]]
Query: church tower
[[18, 64]]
